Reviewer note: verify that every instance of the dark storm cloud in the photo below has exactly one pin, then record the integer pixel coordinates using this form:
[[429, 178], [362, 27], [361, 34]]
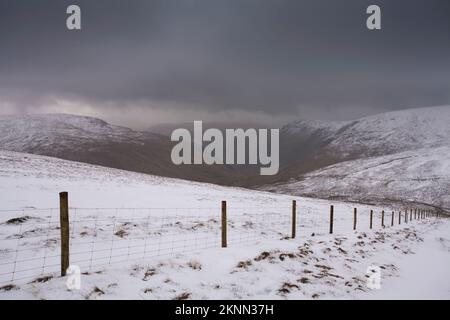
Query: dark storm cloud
[[276, 57]]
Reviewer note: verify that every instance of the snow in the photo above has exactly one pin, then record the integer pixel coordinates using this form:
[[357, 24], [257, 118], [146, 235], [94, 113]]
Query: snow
[[424, 275], [146, 237], [420, 176], [308, 127], [35, 132], [398, 131], [383, 133]]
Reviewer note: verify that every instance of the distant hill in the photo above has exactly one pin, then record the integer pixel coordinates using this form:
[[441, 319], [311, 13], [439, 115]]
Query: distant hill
[[91, 140]]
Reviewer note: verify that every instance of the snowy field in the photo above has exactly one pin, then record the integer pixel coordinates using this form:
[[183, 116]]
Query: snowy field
[[137, 236]]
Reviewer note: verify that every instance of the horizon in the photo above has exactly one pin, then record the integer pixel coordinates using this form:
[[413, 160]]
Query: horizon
[[244, 124]]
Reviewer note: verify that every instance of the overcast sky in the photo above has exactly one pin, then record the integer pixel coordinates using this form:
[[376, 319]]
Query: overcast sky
[[142, 62]]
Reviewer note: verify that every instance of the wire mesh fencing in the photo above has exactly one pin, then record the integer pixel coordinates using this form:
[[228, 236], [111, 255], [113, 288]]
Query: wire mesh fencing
[[111, 236], [31, 246]]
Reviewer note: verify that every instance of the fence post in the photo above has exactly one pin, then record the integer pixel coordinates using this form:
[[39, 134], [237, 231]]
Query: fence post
[[64, 228], [382, 219], [406, 216], [392, 219], [355, 217], [294, 218], [399, 217], [371, 219], [331, 218], [224, 224], [410, 215]]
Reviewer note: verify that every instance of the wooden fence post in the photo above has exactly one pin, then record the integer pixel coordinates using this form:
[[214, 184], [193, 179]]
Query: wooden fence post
[[392, 219], [399, 217], [224, 224], [355, 217], [64, 228], [294, 218], [410, 215], [331, 218], [371, 219], [406, 216], [382, 219]]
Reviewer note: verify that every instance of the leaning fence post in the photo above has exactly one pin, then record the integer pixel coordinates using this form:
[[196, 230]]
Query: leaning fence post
[[382, 218], [224, 224], [371, 219], [392, 219], [355, 217], [294, 218], [64, 227], [331, 218]]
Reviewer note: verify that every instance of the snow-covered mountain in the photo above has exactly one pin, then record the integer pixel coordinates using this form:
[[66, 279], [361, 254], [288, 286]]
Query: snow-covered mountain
[[94, 141], [380, 134], [398, 156], [55, 133], [419, 176]]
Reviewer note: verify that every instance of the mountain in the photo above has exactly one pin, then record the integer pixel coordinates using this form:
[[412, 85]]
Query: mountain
[[91, 140], [325, 158], [380, 134], [421, 176]]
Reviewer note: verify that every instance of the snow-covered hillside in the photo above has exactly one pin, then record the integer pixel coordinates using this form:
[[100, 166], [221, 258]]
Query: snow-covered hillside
[[395, 156], [147, 237], [381, 134], [420, 176], [39, 131], [28, 181], [92, 140]]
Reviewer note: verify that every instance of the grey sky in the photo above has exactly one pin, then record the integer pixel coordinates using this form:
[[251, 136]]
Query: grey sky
[[138, 62]]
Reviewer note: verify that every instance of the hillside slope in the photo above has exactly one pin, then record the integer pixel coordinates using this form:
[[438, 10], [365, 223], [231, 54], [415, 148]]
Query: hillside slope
[[420, 176], [91, 140]]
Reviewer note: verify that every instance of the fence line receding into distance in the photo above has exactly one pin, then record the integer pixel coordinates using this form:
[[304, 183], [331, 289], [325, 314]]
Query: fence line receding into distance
[[39, 243]]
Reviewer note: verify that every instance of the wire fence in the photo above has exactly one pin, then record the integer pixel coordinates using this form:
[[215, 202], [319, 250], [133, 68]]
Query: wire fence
[[30, 248]]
